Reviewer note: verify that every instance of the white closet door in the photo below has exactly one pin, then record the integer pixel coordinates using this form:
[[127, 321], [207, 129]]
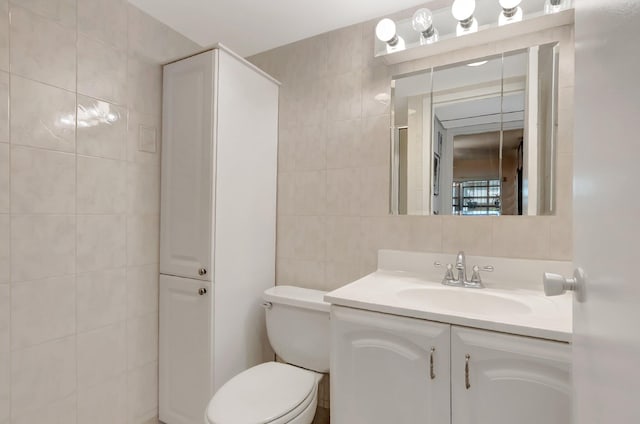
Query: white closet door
[[508, 379], [186, 351], [187, 167]]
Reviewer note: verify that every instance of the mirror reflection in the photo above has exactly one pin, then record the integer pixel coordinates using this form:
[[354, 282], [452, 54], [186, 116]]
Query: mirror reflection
[[477, 138]]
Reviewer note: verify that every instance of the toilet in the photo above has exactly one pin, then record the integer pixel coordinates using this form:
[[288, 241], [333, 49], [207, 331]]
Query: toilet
[[274, 392]]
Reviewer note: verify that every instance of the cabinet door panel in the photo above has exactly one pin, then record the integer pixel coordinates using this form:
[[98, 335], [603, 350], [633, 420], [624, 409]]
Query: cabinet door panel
[[380, 369], [186, 359], [512, 379], [187, 167]]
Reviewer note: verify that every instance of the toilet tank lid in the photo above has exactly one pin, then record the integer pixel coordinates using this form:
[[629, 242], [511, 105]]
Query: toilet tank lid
[[297, 296]]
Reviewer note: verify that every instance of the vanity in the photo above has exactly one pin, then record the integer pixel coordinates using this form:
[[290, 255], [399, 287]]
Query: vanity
[[408, 349]]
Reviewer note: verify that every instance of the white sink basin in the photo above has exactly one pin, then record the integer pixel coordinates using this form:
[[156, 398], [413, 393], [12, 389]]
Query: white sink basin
[[474, 301]]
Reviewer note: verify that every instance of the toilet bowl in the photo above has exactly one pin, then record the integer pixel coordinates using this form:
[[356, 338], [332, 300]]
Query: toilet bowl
[[274, 392]]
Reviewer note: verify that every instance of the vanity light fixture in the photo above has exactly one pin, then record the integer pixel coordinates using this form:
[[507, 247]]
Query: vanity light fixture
[[386, 32], [463, 10], [555, 6], [422, 22], [511, 12]]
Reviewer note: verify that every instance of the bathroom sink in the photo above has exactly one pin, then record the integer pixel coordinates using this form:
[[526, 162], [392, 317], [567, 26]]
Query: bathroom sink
[[464, 300]]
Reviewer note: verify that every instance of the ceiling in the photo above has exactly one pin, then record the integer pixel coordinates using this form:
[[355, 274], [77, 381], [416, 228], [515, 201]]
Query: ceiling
[[249, 26]]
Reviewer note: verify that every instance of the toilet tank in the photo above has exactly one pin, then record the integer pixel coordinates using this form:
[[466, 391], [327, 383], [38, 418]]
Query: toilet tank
[[298, 326]]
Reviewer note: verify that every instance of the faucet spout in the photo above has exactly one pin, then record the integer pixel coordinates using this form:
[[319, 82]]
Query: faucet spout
[[461, 266]]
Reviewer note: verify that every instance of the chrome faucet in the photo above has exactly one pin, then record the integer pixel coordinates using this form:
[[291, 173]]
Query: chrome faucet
[[461, 268]]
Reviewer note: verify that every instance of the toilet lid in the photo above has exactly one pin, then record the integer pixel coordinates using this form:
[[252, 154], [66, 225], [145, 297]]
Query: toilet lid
[[261, 394]]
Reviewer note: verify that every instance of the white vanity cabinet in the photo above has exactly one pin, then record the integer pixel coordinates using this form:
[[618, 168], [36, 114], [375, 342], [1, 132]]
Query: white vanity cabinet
[[380, 373], [388, 369], [508, 379]]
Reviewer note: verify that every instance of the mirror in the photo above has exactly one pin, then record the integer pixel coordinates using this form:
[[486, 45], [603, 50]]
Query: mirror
[[477, 138]]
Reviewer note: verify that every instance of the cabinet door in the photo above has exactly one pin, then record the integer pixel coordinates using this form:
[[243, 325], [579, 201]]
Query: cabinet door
[[187, 167], [508, 379], [381, 369], [186, 345]]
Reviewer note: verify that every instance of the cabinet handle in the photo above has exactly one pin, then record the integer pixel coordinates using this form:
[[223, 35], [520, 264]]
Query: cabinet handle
[[467, 357], [432, 373], [202, 271], [202, 291]]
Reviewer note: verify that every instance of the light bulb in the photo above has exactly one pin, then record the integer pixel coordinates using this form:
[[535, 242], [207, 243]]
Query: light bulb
[[423, 23], [511, 12], [554, 6], [463, 10], [386, 30]]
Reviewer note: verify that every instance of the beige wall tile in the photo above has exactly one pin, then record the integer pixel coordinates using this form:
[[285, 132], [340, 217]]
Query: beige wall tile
[[42, 310], [345, 50], [105, 135], [337, 274], [376, 91], [286, 192], [343, 138], [309, 142], [58, 412], [302, 237], [42, 116], [144, 86], [300, 273], [474, 235], [381, 233], [148, 38], [105, 403], [521, 237], [42, 49], [5, 317], [343, 238], [374, 149], [5, 241], [425, 233], [101, 298], [143, 239], [561, 239], [142, 340], [104, 20], [142, 290], [42, 374], [101, 242], [4, 178], [102, 70], [4, 35], [142, 393], [344, 99], [343, 192], [102, 355], [5, 386], [42, 181], [374, 191], [309, 192], [4, 104], [62, 12], [102, 186], [143, 188], [42, 246]]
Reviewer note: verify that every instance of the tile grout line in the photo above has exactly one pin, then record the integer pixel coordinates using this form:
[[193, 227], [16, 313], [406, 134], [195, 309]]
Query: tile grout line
[[10, 353]]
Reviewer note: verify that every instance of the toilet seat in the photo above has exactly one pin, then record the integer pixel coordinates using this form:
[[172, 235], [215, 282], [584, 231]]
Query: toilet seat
[[269, 393]]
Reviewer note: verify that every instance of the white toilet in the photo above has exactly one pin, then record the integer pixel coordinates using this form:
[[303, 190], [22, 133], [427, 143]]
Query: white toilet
[[273, 392]]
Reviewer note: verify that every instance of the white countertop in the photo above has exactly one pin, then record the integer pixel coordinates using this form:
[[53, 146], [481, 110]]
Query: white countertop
[[510, 310]]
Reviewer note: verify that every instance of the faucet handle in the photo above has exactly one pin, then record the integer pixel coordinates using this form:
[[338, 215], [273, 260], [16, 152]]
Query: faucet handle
[[449, 279], [476, 280], [488, 268]]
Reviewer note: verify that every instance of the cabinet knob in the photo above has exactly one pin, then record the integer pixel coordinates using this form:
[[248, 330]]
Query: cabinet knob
[[202, 271], [202, 291]]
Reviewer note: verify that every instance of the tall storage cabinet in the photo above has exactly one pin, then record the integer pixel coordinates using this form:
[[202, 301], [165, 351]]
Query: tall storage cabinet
[[218, 217]]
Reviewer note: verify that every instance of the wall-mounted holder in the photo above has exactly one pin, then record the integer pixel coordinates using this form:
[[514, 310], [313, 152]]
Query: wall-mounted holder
[[534, 19]]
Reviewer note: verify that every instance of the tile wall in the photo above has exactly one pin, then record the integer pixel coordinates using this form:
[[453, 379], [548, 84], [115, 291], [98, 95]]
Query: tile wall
[[79, 207], [333, 171]]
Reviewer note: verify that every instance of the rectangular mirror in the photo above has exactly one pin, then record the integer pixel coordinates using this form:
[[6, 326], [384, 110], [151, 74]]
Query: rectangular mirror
[[477, 138]]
